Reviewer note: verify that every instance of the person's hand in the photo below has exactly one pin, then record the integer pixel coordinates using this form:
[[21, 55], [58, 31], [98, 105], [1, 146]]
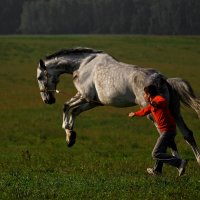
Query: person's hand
[[132, 114]]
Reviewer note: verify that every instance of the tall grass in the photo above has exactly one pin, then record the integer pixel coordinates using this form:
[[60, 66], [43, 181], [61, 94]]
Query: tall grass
[[112, 152]]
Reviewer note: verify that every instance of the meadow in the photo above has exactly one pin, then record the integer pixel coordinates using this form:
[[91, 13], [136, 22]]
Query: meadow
[[112, 152]]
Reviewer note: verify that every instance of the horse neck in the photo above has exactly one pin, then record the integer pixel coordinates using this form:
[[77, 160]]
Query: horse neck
[[67, 64]]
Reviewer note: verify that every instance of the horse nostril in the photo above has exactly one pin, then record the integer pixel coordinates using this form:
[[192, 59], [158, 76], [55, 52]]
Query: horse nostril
[[45, 101]]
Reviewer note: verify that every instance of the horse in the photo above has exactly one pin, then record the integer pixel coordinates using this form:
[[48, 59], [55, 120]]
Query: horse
[[101, 80]]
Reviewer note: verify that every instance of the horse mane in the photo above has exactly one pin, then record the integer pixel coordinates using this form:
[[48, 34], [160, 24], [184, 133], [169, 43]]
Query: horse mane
[[76, 50]]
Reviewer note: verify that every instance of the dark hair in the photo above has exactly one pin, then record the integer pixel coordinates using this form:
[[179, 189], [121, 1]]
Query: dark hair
[[151, 89]]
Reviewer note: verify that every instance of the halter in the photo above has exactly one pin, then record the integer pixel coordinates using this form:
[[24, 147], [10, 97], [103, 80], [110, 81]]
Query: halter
[[45, 89]]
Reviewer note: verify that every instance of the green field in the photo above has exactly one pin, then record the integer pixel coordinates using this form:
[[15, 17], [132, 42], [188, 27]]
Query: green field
[[112, 152]]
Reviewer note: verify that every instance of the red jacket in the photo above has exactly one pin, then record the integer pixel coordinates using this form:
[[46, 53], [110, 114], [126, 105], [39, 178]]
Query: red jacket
[[160, 111]]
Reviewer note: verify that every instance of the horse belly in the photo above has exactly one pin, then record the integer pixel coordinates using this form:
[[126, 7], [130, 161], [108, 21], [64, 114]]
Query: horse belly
[[116, 98]]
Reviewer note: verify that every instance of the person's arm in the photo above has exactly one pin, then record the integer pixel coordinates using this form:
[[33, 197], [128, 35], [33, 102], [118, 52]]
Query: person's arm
[[142, 112]]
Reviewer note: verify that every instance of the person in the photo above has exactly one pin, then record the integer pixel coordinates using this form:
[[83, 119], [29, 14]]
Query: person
[[158, 107]]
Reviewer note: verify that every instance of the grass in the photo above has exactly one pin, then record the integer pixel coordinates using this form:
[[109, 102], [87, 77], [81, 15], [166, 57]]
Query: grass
[[112, 152]]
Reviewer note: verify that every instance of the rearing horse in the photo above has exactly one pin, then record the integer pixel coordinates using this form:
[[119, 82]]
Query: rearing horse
[[102, 80]]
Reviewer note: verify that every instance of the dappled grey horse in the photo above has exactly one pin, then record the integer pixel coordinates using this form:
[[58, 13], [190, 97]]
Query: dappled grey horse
[[102, 80]]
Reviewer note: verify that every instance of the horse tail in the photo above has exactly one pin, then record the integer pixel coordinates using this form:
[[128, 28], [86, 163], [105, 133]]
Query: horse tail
[[183, 90]]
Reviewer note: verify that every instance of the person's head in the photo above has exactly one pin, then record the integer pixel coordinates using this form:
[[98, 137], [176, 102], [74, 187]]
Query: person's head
[[150, 91]]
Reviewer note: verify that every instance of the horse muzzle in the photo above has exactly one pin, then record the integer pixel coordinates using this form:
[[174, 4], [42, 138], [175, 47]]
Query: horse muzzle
[[48, 98], [50, 101]]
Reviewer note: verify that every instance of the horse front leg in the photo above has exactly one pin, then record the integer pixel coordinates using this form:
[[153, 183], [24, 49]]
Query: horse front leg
[[66, 109], [76, 111], [70, 134]]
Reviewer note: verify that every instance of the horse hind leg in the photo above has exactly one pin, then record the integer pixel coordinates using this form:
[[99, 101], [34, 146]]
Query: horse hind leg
[[181, 90], [186, 132], [188, 136]]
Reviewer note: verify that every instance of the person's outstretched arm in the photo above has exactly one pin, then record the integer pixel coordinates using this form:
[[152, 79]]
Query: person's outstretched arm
[[142, 112]]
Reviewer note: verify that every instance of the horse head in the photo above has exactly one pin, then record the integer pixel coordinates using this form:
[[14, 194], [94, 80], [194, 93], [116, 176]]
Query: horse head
[[63, 61], [47, 82]]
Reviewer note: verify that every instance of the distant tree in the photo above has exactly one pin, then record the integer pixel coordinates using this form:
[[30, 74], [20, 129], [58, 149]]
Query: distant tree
[[10, 16], [141, 16], [188, 17], [35, 18], [175, 17], [108, 16], [161, 14]]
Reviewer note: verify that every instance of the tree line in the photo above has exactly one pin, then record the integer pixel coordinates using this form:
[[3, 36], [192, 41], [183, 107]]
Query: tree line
[[100, 17]]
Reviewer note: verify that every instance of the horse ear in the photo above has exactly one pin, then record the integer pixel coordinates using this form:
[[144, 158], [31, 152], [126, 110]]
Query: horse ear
[[42, 65]]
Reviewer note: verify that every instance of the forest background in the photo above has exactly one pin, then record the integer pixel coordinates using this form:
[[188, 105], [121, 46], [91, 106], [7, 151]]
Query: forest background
[[163, 17]]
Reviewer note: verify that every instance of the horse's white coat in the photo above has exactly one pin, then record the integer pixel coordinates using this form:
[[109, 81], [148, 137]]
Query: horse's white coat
[[102, 80]]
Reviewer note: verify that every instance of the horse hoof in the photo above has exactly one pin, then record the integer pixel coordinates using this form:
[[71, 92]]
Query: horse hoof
[[70, 137]]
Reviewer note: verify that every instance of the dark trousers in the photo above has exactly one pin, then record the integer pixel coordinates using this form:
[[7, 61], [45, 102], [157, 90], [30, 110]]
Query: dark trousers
[[165, 140]]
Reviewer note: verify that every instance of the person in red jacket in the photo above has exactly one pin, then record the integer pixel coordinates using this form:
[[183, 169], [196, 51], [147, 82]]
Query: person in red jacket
[[158, 107]]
